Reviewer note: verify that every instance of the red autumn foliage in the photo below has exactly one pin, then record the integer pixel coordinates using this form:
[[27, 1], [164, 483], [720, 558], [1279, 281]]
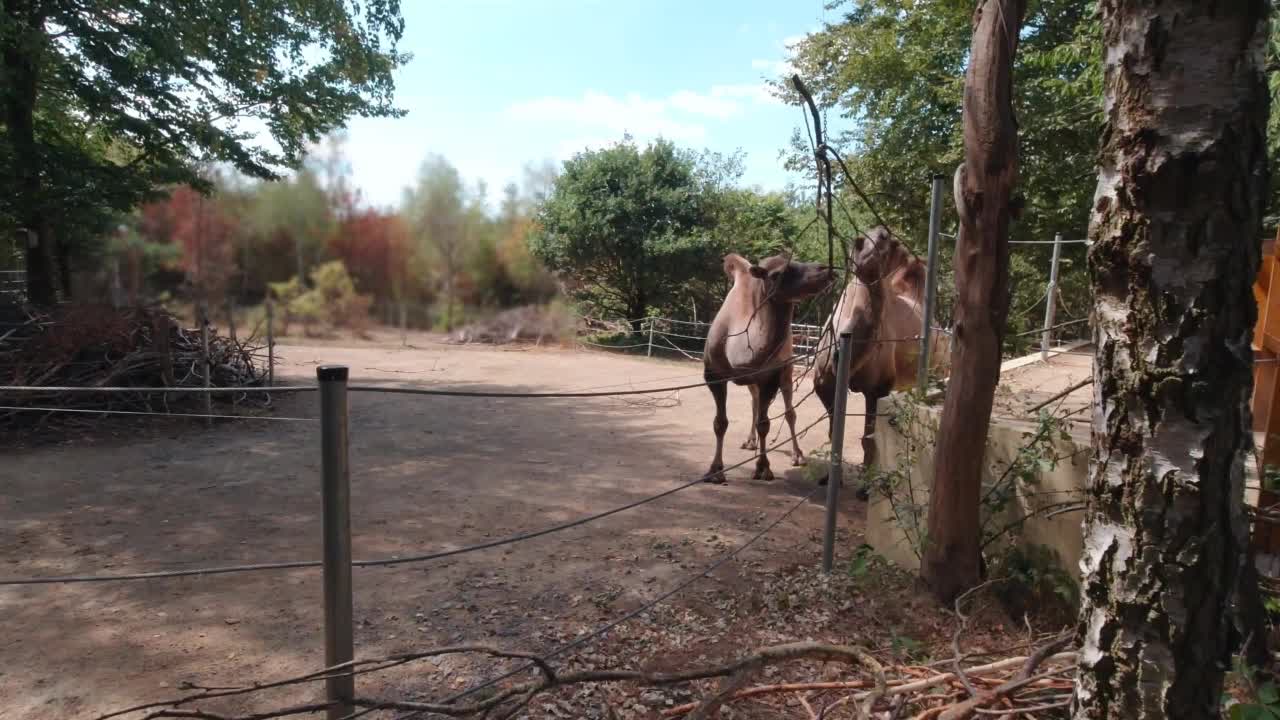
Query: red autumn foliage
[[205, 233], [375, 247]]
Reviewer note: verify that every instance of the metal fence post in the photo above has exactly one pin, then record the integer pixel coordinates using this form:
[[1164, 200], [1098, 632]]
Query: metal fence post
[[271, 344], [208, 363], [931, 281], [649, 352], [1050, 305], [835, 475], [339, 641]]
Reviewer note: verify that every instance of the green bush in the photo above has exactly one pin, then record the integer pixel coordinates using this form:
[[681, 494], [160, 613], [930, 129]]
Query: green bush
[[331, 301]]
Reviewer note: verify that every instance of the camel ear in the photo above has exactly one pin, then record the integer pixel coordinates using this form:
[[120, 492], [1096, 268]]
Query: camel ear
[[758, 272], [734, 264]]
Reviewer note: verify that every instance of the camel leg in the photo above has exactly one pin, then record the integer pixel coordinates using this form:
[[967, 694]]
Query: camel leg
[[824, 386], [869, 452], [797, 456], [750, 442], [719, 392], [768, 389]]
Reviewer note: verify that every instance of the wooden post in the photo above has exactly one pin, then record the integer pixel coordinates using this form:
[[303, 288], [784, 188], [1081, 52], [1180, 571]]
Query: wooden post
[[404, 325], [271, 343], [335, 482], [983, 190], [161, 345], [208, 364], [649, 352]]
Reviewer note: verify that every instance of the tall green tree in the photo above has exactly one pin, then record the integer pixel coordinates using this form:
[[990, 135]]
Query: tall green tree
[[103, 102], [629, 227], [891, 71], [438, 212]]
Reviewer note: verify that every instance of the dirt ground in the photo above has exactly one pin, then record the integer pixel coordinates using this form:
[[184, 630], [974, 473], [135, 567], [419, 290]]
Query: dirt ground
[[428, 473]]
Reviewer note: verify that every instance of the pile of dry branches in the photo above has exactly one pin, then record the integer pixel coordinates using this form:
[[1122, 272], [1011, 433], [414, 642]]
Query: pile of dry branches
[[1035, 686], [530, 323], [97, 346]]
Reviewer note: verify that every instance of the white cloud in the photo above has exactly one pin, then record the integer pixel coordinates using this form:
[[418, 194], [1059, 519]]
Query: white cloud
[[784, 67], [707, 104], [631, 113], [681, 116]]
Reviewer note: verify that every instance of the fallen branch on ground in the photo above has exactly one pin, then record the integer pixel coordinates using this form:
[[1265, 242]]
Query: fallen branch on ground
[[870, 694]]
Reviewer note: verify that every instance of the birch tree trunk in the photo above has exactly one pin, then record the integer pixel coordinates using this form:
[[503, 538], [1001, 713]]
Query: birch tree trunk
[[1175, 228], [983, 190]]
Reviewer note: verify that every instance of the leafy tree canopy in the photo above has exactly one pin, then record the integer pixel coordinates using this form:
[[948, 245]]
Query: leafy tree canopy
[[107, 101], [892, 72], [631, 226]]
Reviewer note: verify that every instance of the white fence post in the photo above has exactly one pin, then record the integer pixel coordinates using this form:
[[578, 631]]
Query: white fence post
[[649, 352], [1050, 305]]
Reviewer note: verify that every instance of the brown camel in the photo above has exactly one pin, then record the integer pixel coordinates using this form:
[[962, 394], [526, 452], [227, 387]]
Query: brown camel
[[883, 308], [750, 344]]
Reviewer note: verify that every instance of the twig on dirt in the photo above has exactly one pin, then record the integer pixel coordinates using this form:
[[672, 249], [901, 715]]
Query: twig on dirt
[[955, 637], [308, 709]]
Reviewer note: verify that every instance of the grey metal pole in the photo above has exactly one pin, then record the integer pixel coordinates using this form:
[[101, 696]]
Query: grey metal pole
[[208, 364], [271, 344], [835, 475], [1051, 300], [649, 352], [339, 641], [931, 281]]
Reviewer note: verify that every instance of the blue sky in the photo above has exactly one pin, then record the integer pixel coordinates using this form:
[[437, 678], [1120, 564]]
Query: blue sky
[[496, 84]]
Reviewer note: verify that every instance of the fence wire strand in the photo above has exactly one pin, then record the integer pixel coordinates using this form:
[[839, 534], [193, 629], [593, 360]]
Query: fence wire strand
[[386, 562], [604, 629]]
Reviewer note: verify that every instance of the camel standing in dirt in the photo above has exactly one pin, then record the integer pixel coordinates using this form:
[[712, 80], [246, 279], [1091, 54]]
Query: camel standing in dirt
[[883, 308], [750, 344]]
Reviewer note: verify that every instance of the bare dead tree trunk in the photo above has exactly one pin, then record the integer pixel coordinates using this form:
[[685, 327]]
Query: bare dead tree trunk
[[1181, 191], [983, 190]]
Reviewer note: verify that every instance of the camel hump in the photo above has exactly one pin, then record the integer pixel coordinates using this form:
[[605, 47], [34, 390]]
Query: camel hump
[[911, 278]]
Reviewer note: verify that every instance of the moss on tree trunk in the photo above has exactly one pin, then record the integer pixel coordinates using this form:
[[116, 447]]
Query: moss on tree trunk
[[1175, 230]]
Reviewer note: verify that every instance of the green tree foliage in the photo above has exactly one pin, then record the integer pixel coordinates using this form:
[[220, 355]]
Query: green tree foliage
[[629, 228], [332, 299], [438, 211], [893, 70], [105, 102]]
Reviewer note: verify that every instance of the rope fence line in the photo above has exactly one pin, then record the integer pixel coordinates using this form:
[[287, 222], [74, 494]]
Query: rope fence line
[[606, 628], [127, 389], [93, 411], [387, 562], [1041, 331]]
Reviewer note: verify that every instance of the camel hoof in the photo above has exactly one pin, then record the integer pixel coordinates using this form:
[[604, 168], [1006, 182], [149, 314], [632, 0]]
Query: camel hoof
[[749, 445], [799, 460], [763, 473], [715, 476]]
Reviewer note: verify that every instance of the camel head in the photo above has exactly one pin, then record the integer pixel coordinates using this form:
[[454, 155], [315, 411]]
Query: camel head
[[789, 281], [876, 254]]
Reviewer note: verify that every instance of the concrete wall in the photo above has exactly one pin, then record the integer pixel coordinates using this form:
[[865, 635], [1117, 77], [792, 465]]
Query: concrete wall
[[1063, 533], [1064, 483]]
